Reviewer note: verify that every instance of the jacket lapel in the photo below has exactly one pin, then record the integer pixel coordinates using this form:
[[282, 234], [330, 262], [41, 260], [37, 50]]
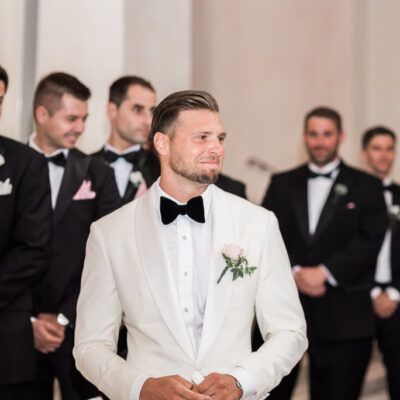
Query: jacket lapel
[[218, 296], [334, 200], [74, 174], [299, 201], [157, 268]]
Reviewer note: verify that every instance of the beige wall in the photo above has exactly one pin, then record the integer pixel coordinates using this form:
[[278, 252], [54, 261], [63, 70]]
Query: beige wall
[[270, 62]]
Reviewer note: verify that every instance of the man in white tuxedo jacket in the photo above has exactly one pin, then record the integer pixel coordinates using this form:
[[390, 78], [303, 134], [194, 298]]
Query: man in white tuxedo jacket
[[187, 267]]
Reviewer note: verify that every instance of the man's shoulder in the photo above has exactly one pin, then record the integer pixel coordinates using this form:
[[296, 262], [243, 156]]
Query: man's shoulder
[[359, 176], [289, 174], [19, 153], [96, 165], [99, 154], [242, 209]]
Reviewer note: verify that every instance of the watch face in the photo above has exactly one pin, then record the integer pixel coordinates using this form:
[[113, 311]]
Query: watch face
[[62, 319]]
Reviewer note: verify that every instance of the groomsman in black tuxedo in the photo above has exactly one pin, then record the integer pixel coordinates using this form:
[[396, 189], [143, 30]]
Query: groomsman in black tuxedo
[[378, 150], [25, 228], [333, 220], [130, 110], [83, 189]]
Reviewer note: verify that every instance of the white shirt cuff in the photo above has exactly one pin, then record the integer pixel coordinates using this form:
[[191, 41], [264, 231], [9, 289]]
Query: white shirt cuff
[[332, 281], [137, 386], [246, 381], [295, 268], [375, 292], [393, 293]]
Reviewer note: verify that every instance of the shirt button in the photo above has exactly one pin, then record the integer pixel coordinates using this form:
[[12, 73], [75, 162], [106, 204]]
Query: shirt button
[[185, 309], [184, 237], [186, 274]]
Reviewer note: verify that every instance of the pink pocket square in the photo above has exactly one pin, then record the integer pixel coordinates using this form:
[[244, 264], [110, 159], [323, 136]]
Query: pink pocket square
[[142, 189], [351, 205], [85, 192]]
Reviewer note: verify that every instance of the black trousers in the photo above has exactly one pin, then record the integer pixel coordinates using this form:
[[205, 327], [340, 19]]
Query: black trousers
[[337, 370], [49, 366], [388, 336], [13, 392]]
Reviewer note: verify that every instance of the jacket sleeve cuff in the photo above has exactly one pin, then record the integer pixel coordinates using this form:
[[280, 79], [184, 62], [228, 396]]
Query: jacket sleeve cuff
[[137, 386], [246, 381]]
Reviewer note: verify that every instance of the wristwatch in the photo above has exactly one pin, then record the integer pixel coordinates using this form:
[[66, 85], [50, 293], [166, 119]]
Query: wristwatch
[[62, 319]]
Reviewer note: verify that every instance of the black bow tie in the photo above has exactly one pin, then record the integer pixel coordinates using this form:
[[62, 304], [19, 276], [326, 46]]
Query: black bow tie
[[132, 157], [389, 188], [312, 174], [59, 159], [170, 210]]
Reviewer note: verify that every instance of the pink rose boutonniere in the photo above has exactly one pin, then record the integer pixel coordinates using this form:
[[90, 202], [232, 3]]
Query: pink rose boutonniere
[[236, 261]]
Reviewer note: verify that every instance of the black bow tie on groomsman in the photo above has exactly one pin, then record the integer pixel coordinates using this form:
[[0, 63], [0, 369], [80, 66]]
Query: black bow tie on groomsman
[[312, 174], [132, 157], [389, 187], [59, 159], [170, 210]]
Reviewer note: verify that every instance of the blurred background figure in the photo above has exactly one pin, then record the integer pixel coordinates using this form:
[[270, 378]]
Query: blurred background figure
[[379, 151]]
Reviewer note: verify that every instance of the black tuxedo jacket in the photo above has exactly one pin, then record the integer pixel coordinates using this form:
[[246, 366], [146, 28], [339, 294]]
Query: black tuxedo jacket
[[25, 229], [395, 244], [347, 240], [148, 165], [59, 289], [231, 185]]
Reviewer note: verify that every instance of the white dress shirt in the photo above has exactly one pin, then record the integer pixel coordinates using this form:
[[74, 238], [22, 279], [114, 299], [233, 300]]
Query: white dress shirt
[[122, 168], [383, 271], [56, 172], [318, 190], [188, 245]]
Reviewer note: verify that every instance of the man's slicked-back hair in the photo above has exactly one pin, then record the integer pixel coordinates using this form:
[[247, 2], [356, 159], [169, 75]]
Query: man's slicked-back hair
[[4, 77], [324, 112], [52, 87], [369, 134], [166, 113], [119, 88]]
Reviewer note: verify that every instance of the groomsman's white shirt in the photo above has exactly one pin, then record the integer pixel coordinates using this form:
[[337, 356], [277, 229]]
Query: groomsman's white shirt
[[56, 172], [122, 168]]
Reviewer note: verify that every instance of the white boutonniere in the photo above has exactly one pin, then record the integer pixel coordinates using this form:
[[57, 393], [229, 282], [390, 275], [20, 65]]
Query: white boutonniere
[[236, 261], [2, 160], [5, 187], [340, 190], [395, 212], [136, 178]]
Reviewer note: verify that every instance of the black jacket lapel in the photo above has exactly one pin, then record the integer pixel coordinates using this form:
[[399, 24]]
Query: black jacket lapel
[[335, 198], [74, 174], [299, 200]]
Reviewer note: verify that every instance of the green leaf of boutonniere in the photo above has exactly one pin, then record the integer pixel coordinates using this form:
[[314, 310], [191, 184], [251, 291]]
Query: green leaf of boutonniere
[[236, 262]]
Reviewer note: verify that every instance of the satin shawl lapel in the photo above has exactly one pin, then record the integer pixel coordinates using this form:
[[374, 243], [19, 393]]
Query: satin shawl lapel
[[157, 269], [333, 202], [396, 200], [74, 174], [300, 202], [218, 296]]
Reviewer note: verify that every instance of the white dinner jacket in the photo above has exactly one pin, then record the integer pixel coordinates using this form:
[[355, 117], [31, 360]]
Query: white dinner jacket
[[127, 276]]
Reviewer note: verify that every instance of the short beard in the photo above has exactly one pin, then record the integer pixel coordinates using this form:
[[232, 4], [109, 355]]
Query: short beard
[[204, 179]]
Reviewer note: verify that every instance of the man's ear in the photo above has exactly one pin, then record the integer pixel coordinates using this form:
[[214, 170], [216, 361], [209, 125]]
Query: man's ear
[[161, 143], [112, 111], [41, 114]]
